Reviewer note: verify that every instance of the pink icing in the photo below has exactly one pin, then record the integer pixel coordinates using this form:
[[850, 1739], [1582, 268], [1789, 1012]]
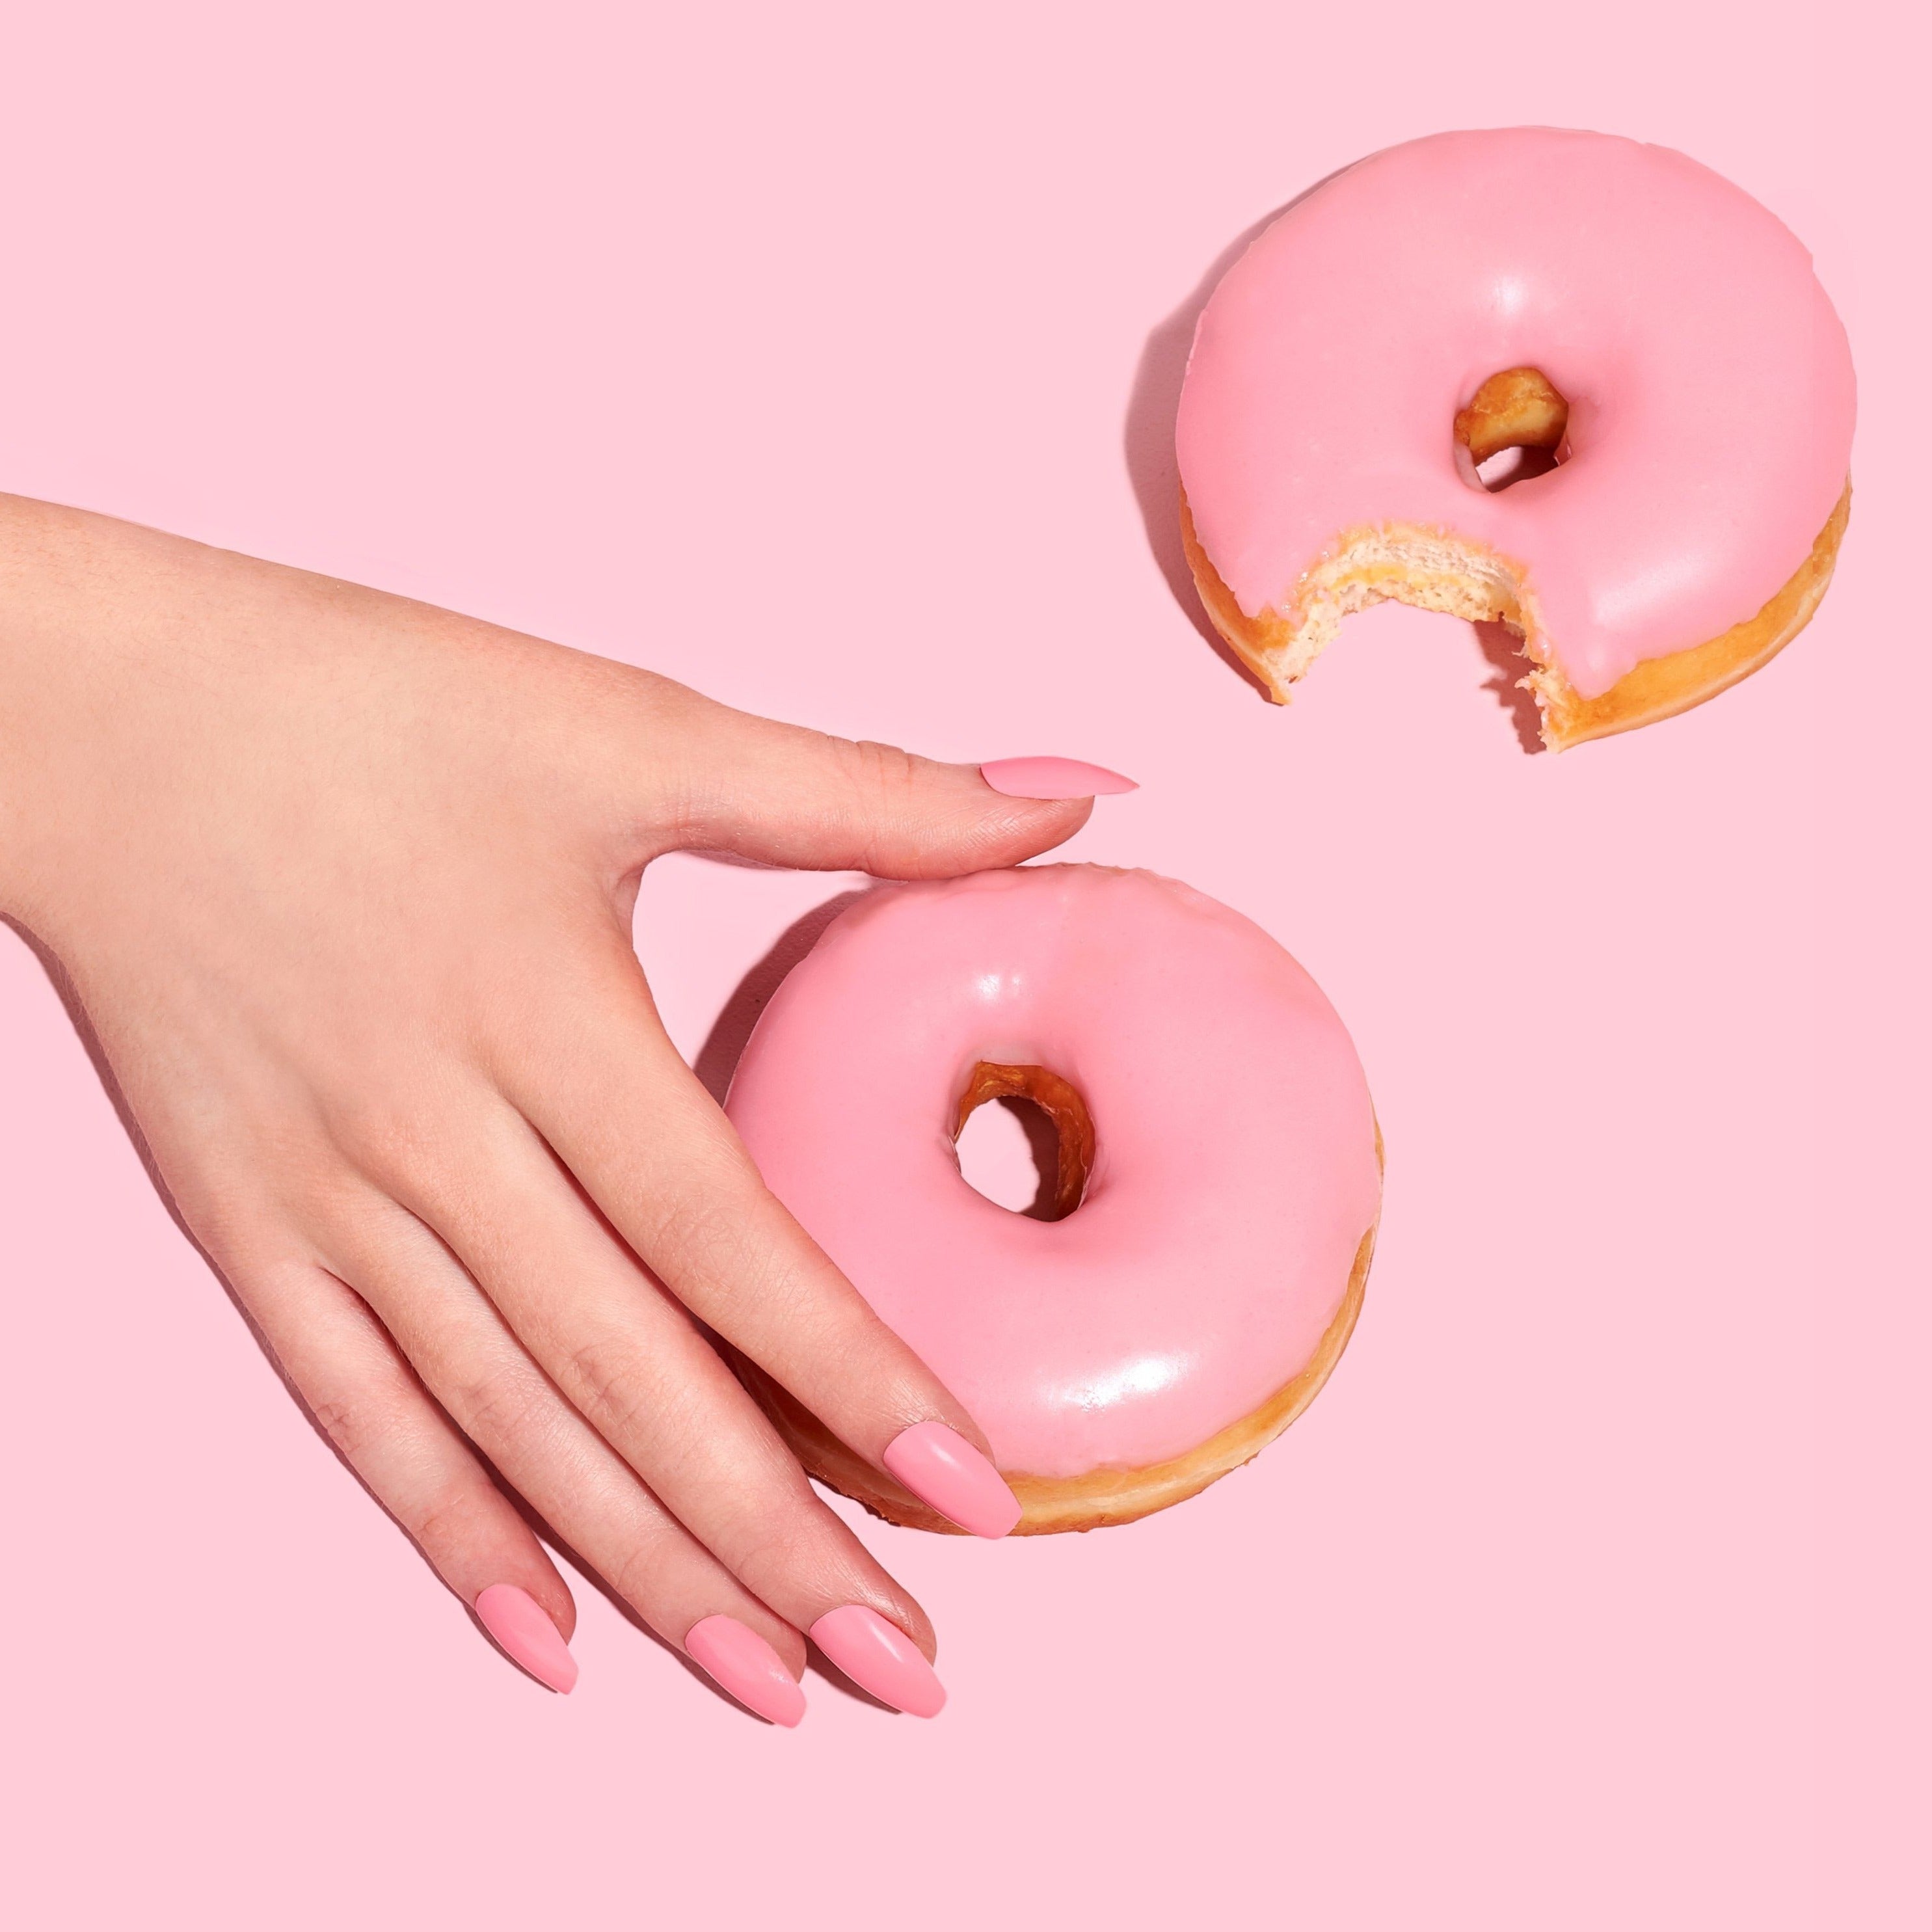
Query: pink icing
[[1234, 1173], [1709, 379]]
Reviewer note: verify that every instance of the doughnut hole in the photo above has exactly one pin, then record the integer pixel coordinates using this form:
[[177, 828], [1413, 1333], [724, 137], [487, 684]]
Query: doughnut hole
[[1512, 429], [1057, 1128]]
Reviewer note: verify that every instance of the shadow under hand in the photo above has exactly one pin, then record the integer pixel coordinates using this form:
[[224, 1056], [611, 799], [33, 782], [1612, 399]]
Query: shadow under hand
[[718, 1058]]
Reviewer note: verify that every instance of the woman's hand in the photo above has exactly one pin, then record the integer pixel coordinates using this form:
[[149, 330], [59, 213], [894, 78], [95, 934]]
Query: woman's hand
[[343, 885]]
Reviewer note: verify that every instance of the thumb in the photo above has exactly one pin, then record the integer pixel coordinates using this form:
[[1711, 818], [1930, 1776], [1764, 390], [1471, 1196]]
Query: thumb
[[790, 796]]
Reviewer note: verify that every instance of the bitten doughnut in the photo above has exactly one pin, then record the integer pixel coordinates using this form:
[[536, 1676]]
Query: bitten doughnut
[[1616, 305], [1219, 1175]]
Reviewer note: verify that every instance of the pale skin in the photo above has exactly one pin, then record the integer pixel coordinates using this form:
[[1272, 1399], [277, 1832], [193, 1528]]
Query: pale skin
[[343, 885]]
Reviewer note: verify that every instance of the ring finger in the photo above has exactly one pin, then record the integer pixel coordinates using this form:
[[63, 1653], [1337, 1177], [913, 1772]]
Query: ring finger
[[506, 1405]]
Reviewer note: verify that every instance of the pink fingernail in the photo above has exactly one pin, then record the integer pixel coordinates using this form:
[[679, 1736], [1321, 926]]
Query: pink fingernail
[[747, 1667], [522, 1628], [1053, 777], [879, 1657], [940, 1467]]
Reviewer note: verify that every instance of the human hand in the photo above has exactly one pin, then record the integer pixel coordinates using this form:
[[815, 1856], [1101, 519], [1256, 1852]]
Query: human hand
[[343, 885]]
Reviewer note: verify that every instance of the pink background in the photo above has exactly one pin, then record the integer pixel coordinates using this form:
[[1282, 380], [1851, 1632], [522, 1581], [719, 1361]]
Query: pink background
[[825, 359]]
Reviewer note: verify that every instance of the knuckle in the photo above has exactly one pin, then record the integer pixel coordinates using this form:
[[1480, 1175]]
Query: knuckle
[[885, 782], [895, 800], [608, 1387], [495, 1408], [347, 1422], [415, 1143], [874, 767], [384, 1141], [449, 1520]]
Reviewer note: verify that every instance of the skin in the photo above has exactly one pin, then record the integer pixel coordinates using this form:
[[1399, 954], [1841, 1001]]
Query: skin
[[343, 886]]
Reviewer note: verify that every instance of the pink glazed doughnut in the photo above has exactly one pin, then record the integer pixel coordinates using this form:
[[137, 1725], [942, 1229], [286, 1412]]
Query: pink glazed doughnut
[[1219, 1175], [1616, 307]]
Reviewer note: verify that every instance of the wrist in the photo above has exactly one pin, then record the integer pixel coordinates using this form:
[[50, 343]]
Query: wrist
[[72, 597]]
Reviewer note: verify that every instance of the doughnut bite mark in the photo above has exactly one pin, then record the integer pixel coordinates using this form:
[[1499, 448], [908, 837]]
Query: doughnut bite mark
[[1653, 340], [1431, 570], [1217, 1182]]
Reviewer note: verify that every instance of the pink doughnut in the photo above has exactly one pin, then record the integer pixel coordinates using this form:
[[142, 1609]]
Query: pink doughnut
[[1215, 1130], [1618, 305]]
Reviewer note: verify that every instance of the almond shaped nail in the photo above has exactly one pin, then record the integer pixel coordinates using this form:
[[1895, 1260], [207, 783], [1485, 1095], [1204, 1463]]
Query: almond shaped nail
[[1053, 779], [747, 1667], [941, 1467], [523, 1630], [879, 1657]]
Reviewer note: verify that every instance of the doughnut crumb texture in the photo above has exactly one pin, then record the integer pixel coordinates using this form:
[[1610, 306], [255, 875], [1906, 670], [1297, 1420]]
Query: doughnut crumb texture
[[1434, 570]]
